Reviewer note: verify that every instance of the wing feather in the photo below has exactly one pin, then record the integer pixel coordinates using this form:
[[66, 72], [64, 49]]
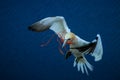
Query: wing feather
[[56, 24]]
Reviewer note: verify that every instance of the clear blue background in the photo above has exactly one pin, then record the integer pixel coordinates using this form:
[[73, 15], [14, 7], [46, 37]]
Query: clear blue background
[[22, 58]]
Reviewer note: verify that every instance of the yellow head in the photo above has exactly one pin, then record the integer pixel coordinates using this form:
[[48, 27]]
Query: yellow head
[[69, 37]]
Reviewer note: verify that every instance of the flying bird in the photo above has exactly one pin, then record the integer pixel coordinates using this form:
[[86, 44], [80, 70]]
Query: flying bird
[[77, 46]]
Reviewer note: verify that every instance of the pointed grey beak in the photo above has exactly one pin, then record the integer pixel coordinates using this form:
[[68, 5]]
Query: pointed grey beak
[[64, 43]]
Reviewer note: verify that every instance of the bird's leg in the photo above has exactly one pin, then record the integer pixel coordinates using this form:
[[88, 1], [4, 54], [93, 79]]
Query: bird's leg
[[49, 40], [60, 50], [59, 47]]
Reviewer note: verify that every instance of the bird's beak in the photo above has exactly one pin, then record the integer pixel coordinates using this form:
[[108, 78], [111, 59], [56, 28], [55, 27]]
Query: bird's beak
[[64, 43]]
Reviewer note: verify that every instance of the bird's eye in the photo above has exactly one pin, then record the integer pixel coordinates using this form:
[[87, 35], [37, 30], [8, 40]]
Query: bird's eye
[[69, 39]]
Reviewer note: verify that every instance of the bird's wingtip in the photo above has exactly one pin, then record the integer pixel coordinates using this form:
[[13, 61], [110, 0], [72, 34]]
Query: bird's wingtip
[[31, 29], [98, 35]]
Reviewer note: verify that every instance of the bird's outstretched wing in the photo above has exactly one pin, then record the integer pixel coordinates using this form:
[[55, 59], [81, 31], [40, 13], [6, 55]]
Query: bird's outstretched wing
[[57, 24]]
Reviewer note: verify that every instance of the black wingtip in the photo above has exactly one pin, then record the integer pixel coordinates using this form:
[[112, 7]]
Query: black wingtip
[[31, 29]]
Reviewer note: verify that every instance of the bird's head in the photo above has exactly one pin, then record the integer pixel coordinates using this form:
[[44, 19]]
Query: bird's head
[[69, 38]]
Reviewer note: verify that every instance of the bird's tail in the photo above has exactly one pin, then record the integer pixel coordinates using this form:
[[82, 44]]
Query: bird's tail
[[82, 64]]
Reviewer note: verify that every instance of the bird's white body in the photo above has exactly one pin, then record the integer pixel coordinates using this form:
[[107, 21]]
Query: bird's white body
[[78, 47], [78, 42]]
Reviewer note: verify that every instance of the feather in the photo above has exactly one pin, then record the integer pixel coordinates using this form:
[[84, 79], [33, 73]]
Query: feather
[[56, 24]]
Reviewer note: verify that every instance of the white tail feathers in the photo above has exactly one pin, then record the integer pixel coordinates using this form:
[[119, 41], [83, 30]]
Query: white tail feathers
[[83, 64], [98, 51]]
